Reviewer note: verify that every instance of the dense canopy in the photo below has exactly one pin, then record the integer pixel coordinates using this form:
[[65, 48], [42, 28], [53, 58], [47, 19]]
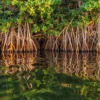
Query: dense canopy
[[49, 16]]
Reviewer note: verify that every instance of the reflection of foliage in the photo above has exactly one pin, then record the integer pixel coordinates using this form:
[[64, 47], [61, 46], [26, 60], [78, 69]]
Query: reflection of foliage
[[46, 84]]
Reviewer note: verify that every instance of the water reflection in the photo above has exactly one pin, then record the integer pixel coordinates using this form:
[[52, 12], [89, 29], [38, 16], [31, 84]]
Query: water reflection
[[47, 84], [50, 76], [13, 62], [84, 65]]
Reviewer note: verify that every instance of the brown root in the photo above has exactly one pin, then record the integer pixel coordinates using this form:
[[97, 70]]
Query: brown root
[[19, 40]]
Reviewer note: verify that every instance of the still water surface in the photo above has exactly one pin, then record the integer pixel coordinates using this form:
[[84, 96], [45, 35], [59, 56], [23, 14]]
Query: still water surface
[[50, 76]]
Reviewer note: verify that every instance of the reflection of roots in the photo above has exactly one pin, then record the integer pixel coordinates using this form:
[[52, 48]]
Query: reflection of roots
[[18, 61], [18, 41], [82, 65]]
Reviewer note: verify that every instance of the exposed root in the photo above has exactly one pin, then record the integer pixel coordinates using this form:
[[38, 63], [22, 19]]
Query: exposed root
[[74, 39], [19, 40]]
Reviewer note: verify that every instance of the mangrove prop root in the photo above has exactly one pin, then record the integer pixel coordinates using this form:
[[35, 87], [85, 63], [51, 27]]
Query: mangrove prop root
[[75, 39], [19, 40]]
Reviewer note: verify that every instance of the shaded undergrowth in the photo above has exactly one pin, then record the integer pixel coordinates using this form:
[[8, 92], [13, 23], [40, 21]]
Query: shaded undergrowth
[[47, 84]]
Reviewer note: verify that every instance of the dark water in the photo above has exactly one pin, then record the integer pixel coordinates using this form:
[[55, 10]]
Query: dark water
[[50, 76]]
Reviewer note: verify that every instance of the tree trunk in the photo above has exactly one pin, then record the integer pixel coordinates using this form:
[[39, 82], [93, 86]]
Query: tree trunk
[[98, 33]]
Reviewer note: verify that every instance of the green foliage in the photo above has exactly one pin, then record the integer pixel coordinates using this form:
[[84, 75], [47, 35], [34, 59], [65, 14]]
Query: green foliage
[[47, 84], [48, 16]]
